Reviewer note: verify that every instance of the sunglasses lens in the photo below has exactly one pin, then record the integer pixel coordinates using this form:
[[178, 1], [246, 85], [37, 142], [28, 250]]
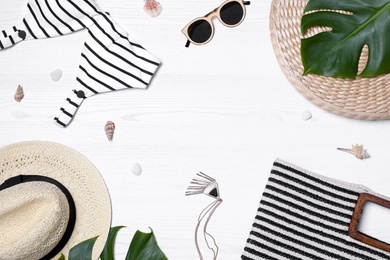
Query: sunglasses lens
[[200, 31], [232, 13]]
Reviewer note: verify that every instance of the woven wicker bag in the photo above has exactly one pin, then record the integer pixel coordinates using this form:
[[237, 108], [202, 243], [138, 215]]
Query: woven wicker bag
[[360, 98]]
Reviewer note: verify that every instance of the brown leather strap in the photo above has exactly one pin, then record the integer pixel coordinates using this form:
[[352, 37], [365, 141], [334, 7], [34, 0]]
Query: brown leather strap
[[354, 233]]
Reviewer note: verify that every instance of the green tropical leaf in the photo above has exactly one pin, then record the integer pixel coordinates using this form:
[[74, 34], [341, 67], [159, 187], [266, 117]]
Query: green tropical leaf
[[62, 257], [337, 52], [83, 250], [108, 251], [144, 246]]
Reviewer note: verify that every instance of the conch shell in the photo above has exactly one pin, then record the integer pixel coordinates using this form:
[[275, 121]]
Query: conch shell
[[356, 150], [109, 128], [152, 8], [19, 94]]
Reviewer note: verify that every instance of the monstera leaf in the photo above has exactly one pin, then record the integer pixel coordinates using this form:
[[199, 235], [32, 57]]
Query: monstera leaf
[[143, 246], [108, 250], [336, 52], [83, 250]]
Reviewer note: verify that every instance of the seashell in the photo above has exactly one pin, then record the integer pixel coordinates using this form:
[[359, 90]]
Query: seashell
[[136, 169], [56, 75], [356, 150], [152, 8], [109, 128], [19, 94], [306, 115]]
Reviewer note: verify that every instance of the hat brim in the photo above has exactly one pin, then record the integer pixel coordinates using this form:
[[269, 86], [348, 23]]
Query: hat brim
[[360, 98], [77, 174]]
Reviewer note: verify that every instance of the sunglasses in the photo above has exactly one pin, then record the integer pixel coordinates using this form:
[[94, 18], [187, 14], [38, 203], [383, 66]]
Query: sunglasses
[[201, 30]]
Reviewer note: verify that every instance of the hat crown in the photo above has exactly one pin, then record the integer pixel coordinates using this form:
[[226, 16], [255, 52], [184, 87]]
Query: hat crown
[[80, 181], [33, 218]]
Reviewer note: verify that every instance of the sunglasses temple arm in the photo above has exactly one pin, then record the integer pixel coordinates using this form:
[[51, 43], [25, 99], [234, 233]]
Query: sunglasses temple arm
[[187, 43]]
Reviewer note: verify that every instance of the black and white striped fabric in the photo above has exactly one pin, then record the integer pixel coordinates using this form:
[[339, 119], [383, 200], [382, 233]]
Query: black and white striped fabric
[[110, 59], [303, 215]]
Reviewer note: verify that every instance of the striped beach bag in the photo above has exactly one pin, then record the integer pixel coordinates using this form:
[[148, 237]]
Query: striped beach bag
[[303, 215]]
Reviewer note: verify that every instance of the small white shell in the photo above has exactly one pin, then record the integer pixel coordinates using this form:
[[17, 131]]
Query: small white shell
[[136, 169], [152, 8], [56, 75], [19, 94], [109, 128], [306, 115]]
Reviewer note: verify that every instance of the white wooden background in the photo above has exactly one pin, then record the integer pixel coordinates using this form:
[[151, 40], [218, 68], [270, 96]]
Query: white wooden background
[[224, 108]]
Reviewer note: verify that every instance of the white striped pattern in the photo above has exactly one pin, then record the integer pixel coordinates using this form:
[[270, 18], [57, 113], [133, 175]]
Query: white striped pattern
[[303, 215], [110, 60]]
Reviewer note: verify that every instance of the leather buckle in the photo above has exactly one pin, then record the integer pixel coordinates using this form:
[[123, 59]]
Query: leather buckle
[[354, 233]]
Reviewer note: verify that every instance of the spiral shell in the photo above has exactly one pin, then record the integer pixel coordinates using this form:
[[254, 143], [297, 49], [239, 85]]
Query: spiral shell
[[356, 150], [109, 128], [19, 94], [152, 8]]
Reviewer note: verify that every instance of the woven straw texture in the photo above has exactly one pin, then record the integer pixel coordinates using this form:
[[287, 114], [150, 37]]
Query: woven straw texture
[[48, 213], [77, 174], [360, 98]]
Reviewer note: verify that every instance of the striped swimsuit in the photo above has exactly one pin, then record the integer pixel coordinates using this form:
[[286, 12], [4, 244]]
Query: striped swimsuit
[[110, 58]]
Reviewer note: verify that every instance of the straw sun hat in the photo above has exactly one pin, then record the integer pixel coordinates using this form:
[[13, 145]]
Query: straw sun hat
[[51, 198], [360, 98]]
